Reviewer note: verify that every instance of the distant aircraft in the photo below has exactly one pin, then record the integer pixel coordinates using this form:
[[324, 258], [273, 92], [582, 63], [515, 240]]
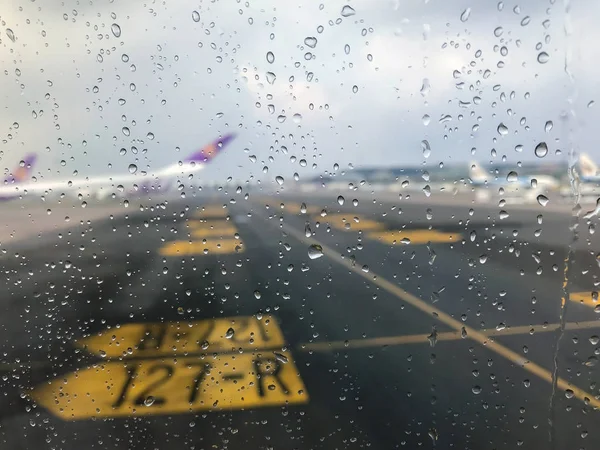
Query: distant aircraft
[[588, 169], [20, 183], [19, 175], [525, 186]]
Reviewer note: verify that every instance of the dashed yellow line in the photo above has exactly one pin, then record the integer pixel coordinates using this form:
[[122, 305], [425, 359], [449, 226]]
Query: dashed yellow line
[[214, 232], [387, 341], [448, 320]]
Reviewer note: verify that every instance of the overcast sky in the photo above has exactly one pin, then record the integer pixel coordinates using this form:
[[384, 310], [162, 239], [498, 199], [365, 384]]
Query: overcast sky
[[352, 93]]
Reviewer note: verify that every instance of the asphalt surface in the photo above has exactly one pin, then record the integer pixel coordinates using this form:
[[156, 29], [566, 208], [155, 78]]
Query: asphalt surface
[[369, 324]]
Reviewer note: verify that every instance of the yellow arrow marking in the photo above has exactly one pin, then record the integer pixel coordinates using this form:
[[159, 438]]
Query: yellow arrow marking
[[413, 236], [210, 247], [171, 338], [588, 298], [182, 385]]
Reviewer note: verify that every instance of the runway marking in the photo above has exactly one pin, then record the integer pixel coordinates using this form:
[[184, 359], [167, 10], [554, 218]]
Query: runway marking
[[413, 236], [421, 305], [588, 298], [209, 237], [223, 232], [425, 338], [350, 221], [299, 208], [169, 380], [209, 224], [205, 247], [171, 338], [211, 211], [175, 386]]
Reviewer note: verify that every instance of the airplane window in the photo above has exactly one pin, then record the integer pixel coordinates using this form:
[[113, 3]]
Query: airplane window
[[304, 225]]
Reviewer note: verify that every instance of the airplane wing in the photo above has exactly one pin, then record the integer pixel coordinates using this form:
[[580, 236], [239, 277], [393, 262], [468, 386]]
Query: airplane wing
[[193, 163]]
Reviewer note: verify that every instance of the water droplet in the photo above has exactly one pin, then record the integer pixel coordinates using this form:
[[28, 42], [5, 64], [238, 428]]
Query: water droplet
[[569, 393], [425, 87], [465, 15], [594, 340], [503, 215], [355, 89], [340, 200], [307, 231], [270, 77], [310, 41], [195, 16], [132, 168], [280, 357], [149, 401], [126, 131], [257, 294], [270, 57], [297, 118], [476, 390], [315, 251], [548, 126], [425, 148], [116, 30], [498, 31], [591, 361], [512, 176], [348, 11], [347, 49], [525, 21], [541, 150], [303, 208], [542, 200], [279, 180], [229, 334], [426, 119], [10, 33], [502, 129], [543, 57]]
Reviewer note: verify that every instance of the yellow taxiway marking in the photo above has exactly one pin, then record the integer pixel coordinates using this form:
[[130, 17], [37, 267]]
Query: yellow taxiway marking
[[588, 298], [207, 247], [176, 385], [208, 365], [299, 208], [386, 341], [209, 224], [446, 319], [211, 211], [224, 232], [351, 222], [412, 236], [181, 338]]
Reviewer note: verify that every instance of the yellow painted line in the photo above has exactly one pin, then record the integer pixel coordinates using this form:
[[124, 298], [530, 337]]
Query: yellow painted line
[[351, 222], [413, 236], [225, 232], [180, 385], [181, 338], [209, 224], [299, 208], [212, 211], [428, 309], [588, 298], [387, 341], [210, 247]]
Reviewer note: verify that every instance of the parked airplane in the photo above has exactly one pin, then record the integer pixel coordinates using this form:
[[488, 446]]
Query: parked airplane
[[19, 183], [523, 187]]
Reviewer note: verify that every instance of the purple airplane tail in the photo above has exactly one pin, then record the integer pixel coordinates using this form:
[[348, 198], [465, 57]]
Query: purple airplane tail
[[210, 151], [23, 170]]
